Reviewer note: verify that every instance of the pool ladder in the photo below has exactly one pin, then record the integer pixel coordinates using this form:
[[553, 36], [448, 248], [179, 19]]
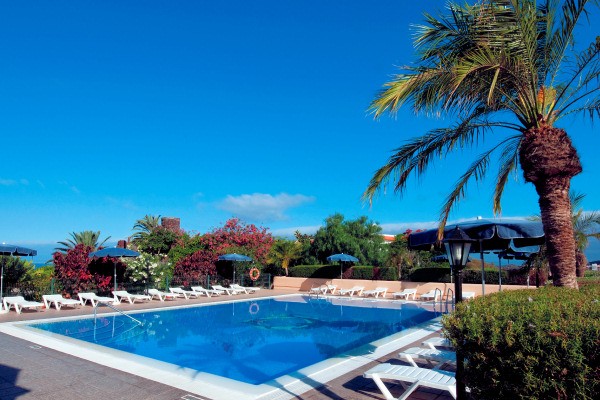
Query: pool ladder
[[117, 310]]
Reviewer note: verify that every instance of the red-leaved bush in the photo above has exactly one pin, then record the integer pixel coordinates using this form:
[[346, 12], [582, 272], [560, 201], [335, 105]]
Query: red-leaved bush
[[72, 270]]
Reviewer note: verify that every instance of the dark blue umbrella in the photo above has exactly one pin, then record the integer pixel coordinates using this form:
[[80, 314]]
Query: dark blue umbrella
[[234, 257], [114, 252], [12, 250], [522, 254], [342, 258], [490, 234]]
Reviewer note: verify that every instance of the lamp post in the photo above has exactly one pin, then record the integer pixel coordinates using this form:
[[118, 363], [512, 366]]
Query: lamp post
[[458, 245]]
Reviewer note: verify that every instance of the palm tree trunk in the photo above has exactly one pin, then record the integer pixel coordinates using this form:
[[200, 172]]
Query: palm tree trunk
[[549, 161], [581, 263]]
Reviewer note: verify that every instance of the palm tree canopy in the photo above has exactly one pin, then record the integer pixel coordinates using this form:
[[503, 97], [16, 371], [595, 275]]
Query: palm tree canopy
[[144, 226], [499, 67], [87, 238]]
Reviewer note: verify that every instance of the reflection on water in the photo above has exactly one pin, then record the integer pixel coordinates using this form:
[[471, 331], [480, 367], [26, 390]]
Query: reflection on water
[[253, 341]]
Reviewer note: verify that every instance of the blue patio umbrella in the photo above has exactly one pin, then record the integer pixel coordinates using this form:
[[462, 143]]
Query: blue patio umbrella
[[234, 257], [522, 254], [12, 250], [342, 258], [114, 252], [490, 234]]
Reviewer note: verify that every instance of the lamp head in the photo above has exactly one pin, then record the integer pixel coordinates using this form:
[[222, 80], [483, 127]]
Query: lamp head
[[458, 246]]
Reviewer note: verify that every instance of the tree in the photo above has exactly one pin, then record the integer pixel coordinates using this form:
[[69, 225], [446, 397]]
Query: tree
[[15, 269], [403, 258], [360, 238], [284, 251], [144, 226], [584, 224], [86, 238], [73, 271], [159, 241], [500, 64]]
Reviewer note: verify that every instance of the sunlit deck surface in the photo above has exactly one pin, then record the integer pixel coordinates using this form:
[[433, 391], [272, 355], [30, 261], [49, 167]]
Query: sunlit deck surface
[[29, 371]]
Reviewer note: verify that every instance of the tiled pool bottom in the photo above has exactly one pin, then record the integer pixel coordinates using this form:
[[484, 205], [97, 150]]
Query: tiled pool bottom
[[215, 387]]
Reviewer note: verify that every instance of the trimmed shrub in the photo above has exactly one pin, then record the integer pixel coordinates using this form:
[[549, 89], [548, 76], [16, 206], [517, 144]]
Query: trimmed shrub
[[430, 274], [530, 344], [491, 276], [333, 272]]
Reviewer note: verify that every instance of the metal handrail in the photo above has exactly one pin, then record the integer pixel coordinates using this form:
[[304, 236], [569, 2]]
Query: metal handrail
[[448, 297], [117, 310], [435, 294]]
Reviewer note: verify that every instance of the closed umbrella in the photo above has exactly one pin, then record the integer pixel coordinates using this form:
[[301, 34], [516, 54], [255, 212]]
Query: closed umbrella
[[490, 234], [234, 257], [114, 252], [12, 250], [342, 258]]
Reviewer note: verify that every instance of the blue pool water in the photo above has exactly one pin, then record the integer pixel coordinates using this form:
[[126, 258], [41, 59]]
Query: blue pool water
[[252, 342]]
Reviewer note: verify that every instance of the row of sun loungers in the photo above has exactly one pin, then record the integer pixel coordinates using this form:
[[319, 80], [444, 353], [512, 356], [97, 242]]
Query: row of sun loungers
[[18, 303], [406, 294], [433, 377]]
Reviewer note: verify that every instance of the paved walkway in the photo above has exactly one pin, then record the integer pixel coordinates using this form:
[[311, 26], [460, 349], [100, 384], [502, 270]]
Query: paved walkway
[[28, 371]]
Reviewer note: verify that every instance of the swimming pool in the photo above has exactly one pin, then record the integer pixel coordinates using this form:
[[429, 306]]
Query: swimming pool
[[275, 348]]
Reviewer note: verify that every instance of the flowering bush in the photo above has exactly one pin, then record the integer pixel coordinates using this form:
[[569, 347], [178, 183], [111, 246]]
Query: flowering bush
[[196, 266], [73, 272], [255, 242], [148, 268]]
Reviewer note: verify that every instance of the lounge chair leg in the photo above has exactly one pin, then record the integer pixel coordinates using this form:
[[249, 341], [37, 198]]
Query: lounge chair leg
[[384, 390]]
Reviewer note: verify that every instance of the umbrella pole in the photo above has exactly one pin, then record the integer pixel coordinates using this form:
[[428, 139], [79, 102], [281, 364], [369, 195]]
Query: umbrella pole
[[341, 275], [482, 267], [2, 286], [115, 267], [499, 272]]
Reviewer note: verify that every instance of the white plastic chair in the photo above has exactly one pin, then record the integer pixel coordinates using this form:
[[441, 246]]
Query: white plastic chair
[[406, 293], [19, 302], [58, 300]]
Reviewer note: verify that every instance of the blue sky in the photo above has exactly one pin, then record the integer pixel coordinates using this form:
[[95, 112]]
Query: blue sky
[[205, 110]]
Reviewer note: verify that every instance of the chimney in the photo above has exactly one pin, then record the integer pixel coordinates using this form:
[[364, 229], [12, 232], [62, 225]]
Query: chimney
[[122, 244], [170, 223]]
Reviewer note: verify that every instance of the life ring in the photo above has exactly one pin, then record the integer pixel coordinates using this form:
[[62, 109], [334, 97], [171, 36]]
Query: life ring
[[254, 274], [254, 308]]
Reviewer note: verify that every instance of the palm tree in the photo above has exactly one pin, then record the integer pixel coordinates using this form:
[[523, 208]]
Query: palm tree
[[585, 226], [284, 251], [87, 238], [499, 66], [144, 226]]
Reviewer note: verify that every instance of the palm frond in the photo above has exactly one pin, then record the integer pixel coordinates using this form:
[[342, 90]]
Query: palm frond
[[508, 165]]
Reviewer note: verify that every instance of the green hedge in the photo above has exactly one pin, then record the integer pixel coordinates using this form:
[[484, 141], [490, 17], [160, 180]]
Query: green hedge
[[530, 344], [442, 274], [333, 272]]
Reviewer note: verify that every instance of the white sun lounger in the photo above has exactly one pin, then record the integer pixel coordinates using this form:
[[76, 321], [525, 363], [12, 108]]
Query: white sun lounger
[[19, 303], [185, 293], [162, 296], [123, 294], [375, 292], [207, 292], [350, 292], [406, 293], [58, 300], [435, 342], [430, 378], [246, 289], [431, 295], [94, 298], [229, 291], [442, 357]]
